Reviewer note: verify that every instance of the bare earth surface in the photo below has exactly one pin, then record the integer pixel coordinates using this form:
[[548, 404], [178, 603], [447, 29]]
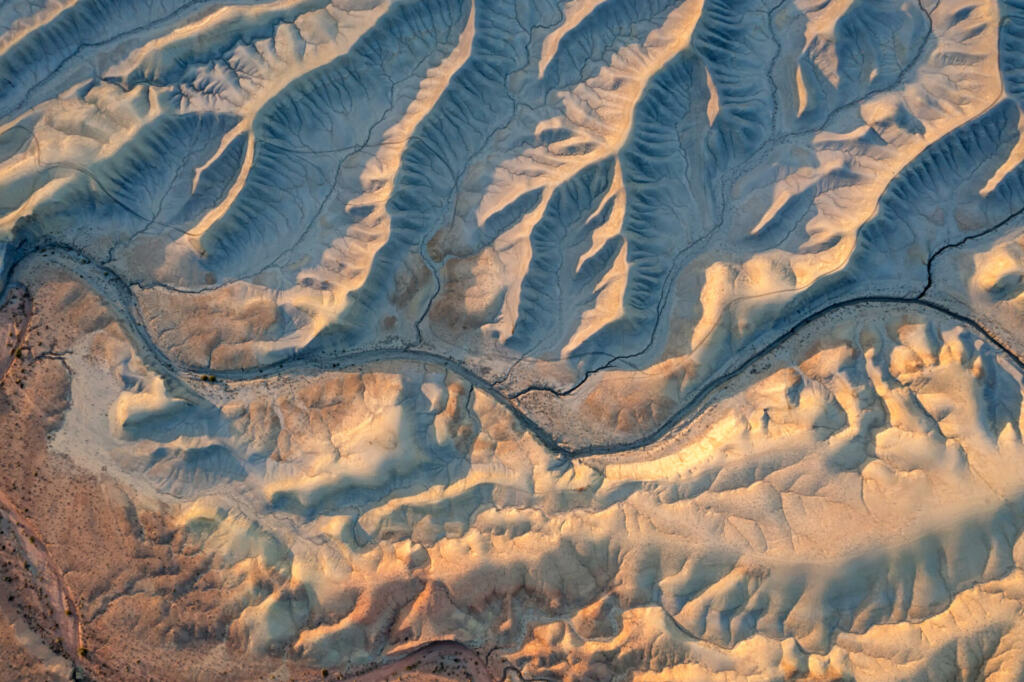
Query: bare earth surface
[[511, 340]]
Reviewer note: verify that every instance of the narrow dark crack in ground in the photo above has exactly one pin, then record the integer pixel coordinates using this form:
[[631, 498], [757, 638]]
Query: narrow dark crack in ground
[[117, 293], [957, 244]]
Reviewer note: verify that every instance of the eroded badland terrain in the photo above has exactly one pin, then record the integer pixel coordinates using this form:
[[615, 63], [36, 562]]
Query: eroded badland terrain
[[512, 339]]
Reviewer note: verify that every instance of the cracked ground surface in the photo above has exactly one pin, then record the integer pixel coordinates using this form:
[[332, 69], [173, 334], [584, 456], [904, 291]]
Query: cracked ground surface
[[494, 339]]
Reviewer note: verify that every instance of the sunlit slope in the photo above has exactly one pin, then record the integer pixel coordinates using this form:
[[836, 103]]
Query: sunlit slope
[[602, 337], [852, 502], [548, 194]]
